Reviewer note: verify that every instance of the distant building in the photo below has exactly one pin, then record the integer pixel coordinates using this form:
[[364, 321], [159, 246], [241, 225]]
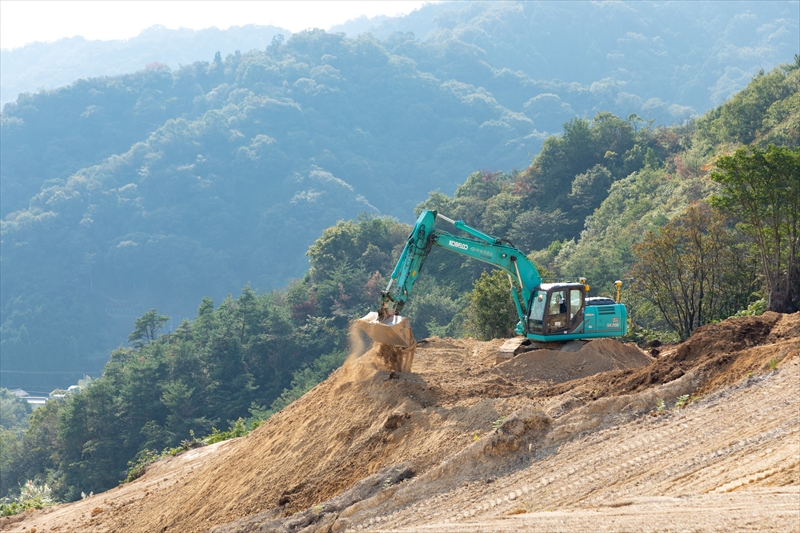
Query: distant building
[[32, 400], [36, 400], [58, 394]]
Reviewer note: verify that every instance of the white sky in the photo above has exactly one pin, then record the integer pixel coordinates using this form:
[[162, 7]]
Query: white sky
[[23, 22]]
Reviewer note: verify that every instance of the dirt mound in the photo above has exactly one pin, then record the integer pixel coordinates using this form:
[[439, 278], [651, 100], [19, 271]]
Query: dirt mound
[[457, 421], [787, 327], [601, 355], [361, 420], [720, 354], [722, 463]]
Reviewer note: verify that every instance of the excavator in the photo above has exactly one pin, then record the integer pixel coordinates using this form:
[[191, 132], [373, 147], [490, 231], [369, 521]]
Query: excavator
[[548, 312]]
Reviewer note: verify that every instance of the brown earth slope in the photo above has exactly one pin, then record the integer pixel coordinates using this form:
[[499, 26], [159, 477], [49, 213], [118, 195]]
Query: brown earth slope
[[568, 440]]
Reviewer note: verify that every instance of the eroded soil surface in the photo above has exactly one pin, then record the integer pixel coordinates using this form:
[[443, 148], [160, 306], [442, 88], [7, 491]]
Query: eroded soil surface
[[588, 438]]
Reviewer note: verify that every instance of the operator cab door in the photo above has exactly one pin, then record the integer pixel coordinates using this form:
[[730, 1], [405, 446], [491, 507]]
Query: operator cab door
[[576, 305], [557, 311]]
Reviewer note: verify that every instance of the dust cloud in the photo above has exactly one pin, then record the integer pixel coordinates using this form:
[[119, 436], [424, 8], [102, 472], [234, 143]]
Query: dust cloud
[[359, 342]]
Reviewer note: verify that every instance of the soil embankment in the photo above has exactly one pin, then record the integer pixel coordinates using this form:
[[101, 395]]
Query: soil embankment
[[574, 440]]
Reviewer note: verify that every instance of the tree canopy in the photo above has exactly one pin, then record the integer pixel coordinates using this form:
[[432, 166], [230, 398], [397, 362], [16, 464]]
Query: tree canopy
[[692, 270], [762, 189]]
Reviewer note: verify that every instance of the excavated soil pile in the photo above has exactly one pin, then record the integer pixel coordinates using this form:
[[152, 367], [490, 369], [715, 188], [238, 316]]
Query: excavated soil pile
[[371, 447], [601, 355], [717, 354]]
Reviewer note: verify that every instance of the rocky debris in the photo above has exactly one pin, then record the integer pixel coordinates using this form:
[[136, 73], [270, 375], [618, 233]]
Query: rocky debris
[[320, 517], [395, 420]]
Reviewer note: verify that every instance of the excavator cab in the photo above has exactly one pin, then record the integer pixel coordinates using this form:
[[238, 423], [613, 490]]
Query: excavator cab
[[557, 309], [564, 310]]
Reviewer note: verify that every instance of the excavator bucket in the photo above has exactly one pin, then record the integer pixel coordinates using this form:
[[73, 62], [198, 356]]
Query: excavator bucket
[[394, 330]]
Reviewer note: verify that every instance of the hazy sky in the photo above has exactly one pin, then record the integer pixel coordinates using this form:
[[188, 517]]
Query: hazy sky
[[23, 22]]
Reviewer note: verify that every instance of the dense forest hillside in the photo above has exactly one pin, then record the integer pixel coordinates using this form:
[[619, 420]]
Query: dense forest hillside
[[269, 151], [38, 66], [684, 54], [596, 191], [157, 188], [675, 53]]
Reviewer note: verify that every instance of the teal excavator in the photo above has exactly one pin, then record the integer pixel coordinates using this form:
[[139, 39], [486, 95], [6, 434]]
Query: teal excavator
[[547, 311]]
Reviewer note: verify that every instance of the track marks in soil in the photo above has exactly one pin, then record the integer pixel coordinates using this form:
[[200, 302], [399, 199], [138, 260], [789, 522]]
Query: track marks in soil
[[737, 441]]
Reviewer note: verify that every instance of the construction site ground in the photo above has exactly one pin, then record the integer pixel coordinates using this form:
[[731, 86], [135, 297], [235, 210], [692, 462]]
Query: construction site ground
[[590, 437]]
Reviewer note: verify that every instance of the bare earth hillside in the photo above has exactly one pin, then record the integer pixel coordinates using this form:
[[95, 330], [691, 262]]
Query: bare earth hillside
[[588, 438]]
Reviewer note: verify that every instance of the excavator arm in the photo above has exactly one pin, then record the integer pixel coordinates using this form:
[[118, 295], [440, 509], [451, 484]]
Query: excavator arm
[[405, 273], [523, 277]]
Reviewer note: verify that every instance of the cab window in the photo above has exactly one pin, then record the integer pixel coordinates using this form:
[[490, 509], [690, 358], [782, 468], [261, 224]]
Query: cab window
[[537, 311], [575, 302], [558, 303]]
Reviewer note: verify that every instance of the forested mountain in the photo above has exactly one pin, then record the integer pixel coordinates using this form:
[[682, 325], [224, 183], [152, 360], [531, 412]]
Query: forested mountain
[[684, 54], [642, 56], [37, 66], [595, 192], [160, 187], [271, 150]]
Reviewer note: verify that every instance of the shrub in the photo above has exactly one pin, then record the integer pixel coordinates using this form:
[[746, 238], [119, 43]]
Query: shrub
[[32, 495]]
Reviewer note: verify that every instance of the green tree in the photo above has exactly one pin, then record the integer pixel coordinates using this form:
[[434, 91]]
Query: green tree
[[762, 189], [589, 189], [13, 412], [36, 453], [432, 309], [741, 120], [367, 243], [688, 271], [537, 228], [491, 313], [10, 454], [147, 327]]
